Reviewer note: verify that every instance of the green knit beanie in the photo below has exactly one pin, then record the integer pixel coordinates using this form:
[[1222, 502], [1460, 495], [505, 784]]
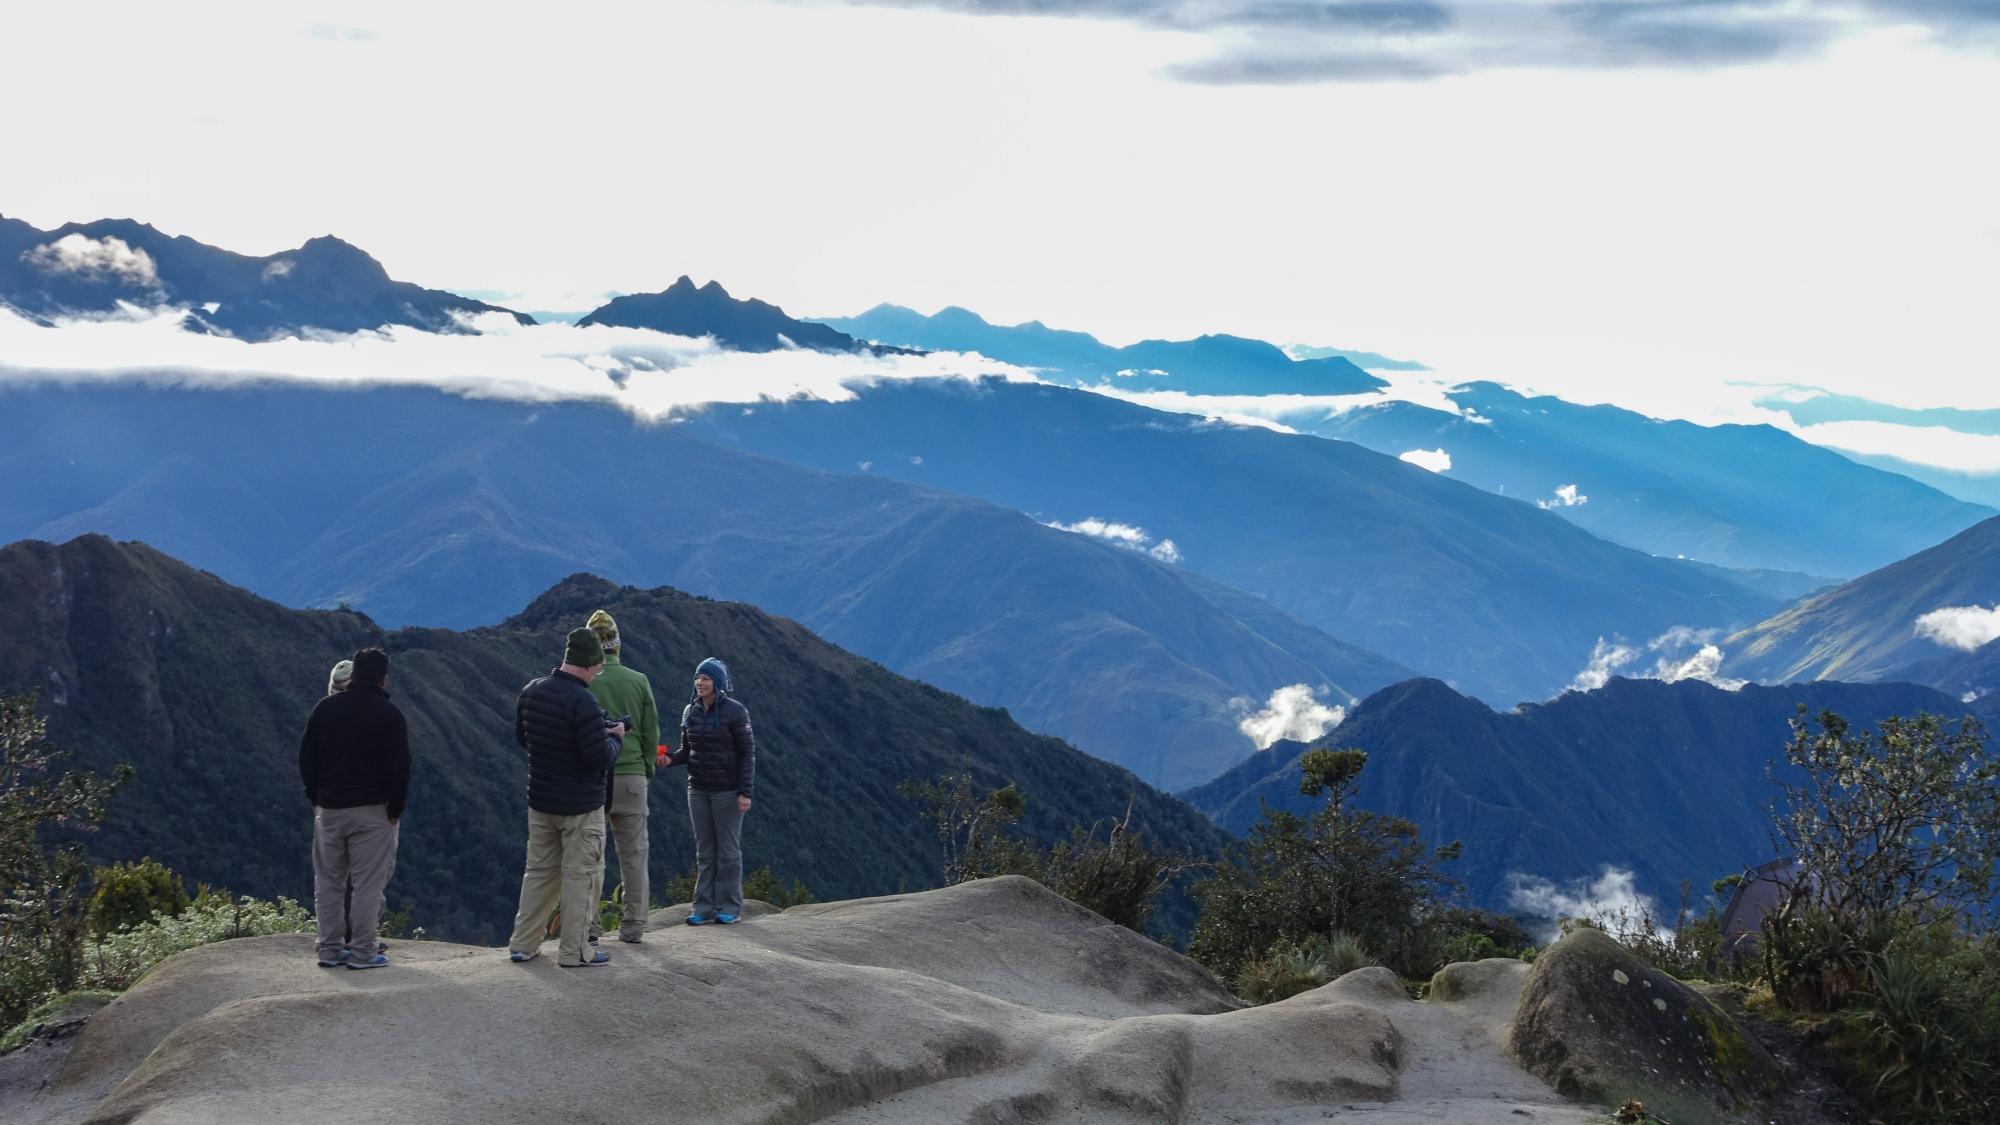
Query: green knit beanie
[[583, 649]]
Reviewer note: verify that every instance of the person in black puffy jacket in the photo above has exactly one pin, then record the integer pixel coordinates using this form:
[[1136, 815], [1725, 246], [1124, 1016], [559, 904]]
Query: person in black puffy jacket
[[720, 752], [571, 748]]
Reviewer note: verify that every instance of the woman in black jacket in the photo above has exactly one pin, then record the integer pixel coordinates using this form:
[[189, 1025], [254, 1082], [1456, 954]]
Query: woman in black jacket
[[721, 756]]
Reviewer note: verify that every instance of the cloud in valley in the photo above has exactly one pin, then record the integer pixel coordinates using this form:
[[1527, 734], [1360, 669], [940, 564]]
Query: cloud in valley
[[1436, 460], [1961, 627], [1289, 42], [94, 259], [1678, 654], [648, 373], [1612, 899], [1294, 712]]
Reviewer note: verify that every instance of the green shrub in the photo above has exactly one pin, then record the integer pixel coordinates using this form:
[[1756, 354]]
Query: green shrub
[[118, 960], [130, 893], [46, 1011]]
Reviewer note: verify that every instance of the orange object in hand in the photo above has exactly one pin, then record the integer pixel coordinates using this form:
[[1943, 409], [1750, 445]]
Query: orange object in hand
[[663, 753]]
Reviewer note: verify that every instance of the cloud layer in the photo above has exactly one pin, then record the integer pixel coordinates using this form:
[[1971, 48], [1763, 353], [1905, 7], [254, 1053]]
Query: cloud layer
[[648, 373], [1293, 712], [94, 259], [1962, 627], [1282, 42], [1612, 900], [1123, 535]]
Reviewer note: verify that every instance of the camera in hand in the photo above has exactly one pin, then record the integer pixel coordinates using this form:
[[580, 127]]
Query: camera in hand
[[631, 724]]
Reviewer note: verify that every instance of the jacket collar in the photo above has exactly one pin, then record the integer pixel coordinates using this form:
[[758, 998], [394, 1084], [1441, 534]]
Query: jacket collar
[[369, 689]]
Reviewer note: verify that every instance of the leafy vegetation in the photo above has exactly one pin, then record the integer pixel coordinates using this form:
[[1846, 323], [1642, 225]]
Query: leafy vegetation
[[128, 894]]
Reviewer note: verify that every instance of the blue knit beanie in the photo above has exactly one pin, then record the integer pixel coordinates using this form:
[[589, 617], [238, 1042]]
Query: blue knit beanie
[[715, 670]]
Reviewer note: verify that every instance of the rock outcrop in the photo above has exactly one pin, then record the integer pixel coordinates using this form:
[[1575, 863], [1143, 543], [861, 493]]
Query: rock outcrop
[[992, 1002], [1599, 1024]]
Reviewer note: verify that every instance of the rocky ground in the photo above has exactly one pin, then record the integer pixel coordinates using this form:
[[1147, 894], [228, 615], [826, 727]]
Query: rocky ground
[[989, 1002]]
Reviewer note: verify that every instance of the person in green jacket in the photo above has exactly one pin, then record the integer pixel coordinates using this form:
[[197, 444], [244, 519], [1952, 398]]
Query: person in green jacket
[[623, 691]]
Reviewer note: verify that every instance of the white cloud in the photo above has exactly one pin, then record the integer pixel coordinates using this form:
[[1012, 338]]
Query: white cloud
[[1935, 446], [281, 268], [648, 373], [1963, 627], [917, 459], [1293, 712], [1436, 460], [866, 465], [1612, 900], [1123, 534], [95, 259], [1165, 551], [1679, 654], [1566, 496], [1973, 696]]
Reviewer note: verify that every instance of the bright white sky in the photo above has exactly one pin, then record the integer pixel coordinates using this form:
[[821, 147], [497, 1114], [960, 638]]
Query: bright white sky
[[1638, 235]]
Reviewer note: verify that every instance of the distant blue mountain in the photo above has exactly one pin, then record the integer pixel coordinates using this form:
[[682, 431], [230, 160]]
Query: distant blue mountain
[[1370, 361], [1208, 365], [1979, 488], [751, 325], [424, 508], [1665, 780], [326, 284], [1503, 599], [1740, 496]]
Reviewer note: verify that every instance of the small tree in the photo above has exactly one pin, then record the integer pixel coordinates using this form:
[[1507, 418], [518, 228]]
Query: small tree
[[972, 827], [42, 880], [129, 894], [1339, 870], [1900, 824]]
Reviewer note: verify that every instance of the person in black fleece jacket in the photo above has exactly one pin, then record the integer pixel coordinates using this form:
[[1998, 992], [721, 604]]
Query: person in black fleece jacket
[[354, 760], [571, 748]]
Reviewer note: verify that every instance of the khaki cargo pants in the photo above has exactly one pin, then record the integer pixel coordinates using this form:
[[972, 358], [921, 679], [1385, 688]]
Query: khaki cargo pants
[[566, 866], [628, 832]]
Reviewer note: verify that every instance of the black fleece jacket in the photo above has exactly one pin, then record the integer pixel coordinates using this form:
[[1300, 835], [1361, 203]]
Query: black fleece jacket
[[560, 725], [356, 751]]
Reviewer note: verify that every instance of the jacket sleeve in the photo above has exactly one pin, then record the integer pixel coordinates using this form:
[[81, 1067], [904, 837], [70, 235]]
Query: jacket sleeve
[[649, 725], [309, 757], [398, 765], [746, 753], [680, 755], [596, 750], [520, 720]]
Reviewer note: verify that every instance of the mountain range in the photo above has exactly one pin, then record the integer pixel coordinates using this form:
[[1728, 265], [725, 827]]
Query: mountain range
[[1665, 780], [326, 284], [1501, 598], [421, 507], [1753, 497], [683, 309], [204, 688], [1207, 365], [1875, 627]]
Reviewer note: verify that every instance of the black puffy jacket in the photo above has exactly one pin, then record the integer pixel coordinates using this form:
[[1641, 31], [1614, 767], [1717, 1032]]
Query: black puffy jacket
[[718, 747], [562, 728]]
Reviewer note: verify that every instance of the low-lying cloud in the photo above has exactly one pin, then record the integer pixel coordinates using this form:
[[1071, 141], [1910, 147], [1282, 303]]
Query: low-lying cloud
[[1678, 654], [95, 259], [1436, 460], [1961, 627], [1567, 496], [1122, 535], [1294, 712], [1611, 900], [648, 373], [1284, 42]]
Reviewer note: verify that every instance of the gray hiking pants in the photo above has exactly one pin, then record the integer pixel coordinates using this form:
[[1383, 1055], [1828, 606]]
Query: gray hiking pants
[[718, 852], [353, 853]]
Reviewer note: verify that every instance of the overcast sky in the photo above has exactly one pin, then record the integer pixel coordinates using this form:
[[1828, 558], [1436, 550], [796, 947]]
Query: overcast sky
[[1633, 200]]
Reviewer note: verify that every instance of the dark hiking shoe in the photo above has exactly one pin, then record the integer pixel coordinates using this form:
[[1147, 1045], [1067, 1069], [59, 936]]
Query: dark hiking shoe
[[338, 960], [635, 939], [520, 958], [600, 958]]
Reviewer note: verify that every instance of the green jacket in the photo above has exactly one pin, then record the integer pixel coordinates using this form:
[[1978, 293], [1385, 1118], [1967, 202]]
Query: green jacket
[[622, 691]]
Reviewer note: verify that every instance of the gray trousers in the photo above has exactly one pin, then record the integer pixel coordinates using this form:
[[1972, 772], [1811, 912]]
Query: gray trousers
[[566, 867], [353, 853], [628, 832], [718, 852]]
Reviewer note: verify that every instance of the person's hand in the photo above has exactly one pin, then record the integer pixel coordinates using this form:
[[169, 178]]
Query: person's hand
[[616, 730], [394, 821], [742, 803]]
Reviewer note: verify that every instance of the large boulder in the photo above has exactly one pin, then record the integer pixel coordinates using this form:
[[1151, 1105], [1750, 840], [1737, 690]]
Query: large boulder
[[1599, 1024], [990, 1002]]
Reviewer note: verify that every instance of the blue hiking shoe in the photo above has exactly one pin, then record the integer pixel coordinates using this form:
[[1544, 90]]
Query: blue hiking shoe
[[599, 957], [335, 962], [520, 958], [699, 919], [726, 919], [376, 961]]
